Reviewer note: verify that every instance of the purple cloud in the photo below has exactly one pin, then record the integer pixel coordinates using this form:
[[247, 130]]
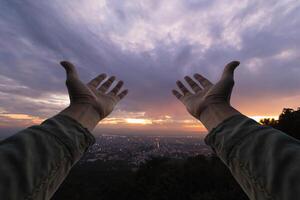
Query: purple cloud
[[149, 45]]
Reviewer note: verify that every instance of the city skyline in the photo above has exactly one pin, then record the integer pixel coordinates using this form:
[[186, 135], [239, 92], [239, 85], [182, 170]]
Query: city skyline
[[149, 45]]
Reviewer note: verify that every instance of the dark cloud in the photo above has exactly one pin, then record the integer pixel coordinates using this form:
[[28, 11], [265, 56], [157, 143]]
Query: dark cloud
[[149, 45]]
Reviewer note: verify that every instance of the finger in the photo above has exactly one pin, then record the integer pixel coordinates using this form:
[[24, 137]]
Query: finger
[[184, 90], [96, 81], [177, 94], [116, 88], [70, 69], [123, 94], [192, 83], [104, 87], [202, 80], [229, 70]]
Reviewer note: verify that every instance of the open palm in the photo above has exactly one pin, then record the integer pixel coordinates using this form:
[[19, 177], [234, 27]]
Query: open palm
[[206, 93], [93, 93]]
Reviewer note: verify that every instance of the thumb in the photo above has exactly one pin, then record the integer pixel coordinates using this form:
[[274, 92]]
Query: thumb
[[229, 70], [70, 70]]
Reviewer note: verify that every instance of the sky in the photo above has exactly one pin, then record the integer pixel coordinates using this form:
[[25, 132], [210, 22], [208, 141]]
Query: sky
[[149, 44]]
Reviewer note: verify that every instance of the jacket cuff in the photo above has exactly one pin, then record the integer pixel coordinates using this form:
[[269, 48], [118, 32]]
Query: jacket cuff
[[69, 132], [229, 134]]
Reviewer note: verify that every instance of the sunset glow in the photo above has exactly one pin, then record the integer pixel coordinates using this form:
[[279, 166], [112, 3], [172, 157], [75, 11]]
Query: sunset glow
[[149, 45], [258, 118], [138, 121]]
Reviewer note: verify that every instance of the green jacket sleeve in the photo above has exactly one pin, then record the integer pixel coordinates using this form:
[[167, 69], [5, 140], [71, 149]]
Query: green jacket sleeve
[[264, 161], [35, 161]]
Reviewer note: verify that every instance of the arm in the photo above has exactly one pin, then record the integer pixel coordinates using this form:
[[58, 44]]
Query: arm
[[35, 161], [264, 161]]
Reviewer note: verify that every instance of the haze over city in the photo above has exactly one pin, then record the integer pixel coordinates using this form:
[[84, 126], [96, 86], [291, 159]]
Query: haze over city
[[149, 45]]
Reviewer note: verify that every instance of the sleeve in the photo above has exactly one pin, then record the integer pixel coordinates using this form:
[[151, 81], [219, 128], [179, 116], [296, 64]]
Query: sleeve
[[35, 161], [264, 161]]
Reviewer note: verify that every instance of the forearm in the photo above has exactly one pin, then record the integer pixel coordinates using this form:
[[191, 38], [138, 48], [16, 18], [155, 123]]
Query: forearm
[[35, 161], [84, 114], [263, 160], [215, 114]]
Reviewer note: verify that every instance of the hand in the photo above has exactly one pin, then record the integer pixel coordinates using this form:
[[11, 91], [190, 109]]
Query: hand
[[206, 93], [91, 95]]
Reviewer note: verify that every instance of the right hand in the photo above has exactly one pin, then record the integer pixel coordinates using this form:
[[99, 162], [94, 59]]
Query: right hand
[[206, 93]]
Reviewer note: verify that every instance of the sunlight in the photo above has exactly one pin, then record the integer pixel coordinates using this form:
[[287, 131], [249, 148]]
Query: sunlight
[[18, 116], [260, 117], [19, 119], [138, 121]]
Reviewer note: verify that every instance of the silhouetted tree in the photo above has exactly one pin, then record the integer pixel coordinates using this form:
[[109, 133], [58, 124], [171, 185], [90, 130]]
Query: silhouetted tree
[[269, 122], [288, 122]]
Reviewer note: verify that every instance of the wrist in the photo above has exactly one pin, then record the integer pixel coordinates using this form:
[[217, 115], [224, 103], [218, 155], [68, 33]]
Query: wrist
[[85, 114], [214, 114]]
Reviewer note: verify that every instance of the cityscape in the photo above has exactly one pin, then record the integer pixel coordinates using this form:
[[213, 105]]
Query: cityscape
[[138, 149]]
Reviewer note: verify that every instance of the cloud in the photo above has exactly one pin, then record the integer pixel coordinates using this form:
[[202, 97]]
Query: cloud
[[148, 44]]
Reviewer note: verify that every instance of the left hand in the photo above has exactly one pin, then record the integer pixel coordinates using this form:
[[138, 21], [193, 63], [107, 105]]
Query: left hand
[[92, 93]]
